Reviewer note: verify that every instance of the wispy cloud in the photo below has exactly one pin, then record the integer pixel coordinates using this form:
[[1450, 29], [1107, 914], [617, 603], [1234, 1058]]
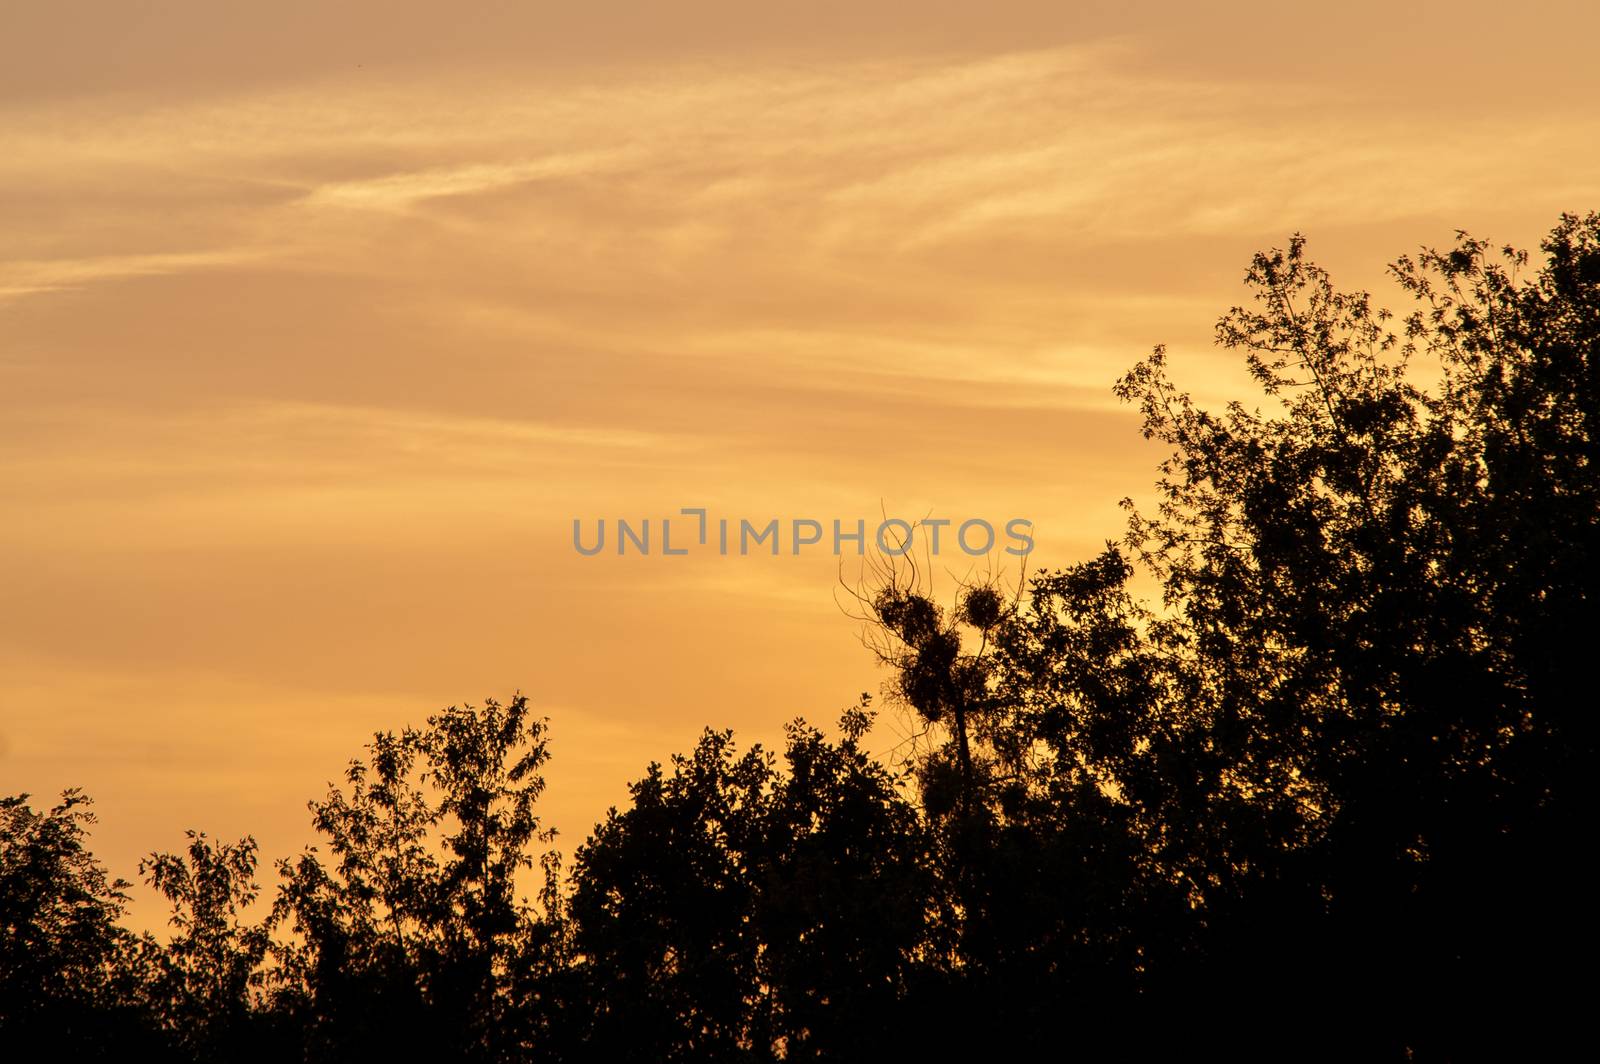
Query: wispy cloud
[[401, 190], [826, 166], [24, 277]]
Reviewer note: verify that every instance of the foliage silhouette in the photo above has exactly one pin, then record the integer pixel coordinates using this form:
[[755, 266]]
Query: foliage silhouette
[[200, 987], [739, 912], [1326, 798], [62, 955], [413, 938]]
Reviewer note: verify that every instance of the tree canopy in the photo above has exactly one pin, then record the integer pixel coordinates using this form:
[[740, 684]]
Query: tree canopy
[[1324, 797]]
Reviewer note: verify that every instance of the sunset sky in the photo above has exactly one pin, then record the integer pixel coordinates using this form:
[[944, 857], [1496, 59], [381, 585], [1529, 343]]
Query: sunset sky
[[320, 323]]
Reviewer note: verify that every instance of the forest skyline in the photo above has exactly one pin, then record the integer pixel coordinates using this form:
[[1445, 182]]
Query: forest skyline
[[1319, 796]]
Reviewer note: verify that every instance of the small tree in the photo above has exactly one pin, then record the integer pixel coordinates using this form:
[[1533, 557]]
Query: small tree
[[417, 913], [65, 978], [206, 981], [742, 910]]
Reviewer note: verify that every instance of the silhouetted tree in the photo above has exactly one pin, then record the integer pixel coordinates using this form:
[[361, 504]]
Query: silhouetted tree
[[1355, 736], [65, 964], [1335, 775], [737, 911], [409, 941], [204, 984]]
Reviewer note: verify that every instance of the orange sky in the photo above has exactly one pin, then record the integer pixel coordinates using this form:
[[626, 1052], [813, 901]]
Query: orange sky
[[320, 323]]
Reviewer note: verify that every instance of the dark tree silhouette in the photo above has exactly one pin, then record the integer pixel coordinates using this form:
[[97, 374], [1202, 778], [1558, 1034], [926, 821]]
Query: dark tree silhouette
[[414, 939], [1336, 775], [63, 978], [204, 985], [741, 912]]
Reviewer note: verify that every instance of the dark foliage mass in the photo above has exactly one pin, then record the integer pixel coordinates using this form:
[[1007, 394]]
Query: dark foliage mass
[[1325, 797]]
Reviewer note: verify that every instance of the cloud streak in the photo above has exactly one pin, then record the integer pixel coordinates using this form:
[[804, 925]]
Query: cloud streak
[[24, 277], [402, 190]]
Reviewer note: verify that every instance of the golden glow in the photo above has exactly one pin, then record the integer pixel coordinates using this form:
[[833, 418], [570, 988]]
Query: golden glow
[[317, 330]]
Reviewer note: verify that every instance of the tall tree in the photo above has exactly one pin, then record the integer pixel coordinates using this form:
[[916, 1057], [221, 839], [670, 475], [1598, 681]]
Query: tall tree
[[1339, 770]]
